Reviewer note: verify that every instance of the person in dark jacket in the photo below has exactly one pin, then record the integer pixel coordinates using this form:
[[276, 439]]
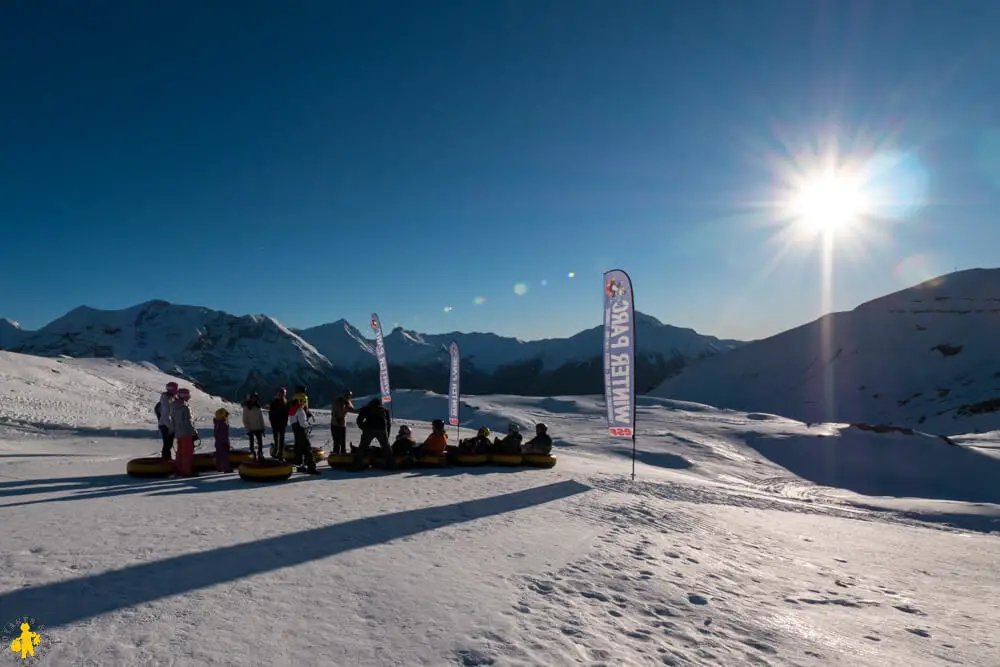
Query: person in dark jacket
[[374, 422], [404, 445], [479, 444], [510, 443], [277, 414], [541, 443], [303, 448]]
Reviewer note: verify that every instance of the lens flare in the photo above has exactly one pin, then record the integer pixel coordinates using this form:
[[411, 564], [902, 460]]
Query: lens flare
[[571, 274], [545, 283], [520, 289], [448, 309], [479, 300]]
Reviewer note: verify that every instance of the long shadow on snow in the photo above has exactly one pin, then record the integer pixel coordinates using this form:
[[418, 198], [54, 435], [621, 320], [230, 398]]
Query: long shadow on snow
[[65, 602], [656, 459], [106, 486], [887, 465]]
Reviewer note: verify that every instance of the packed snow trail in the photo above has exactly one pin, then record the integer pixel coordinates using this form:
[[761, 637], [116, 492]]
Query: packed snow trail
[[715, 555]]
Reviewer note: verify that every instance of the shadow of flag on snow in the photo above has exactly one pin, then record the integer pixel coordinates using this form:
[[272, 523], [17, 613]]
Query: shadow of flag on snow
[[66, 602]]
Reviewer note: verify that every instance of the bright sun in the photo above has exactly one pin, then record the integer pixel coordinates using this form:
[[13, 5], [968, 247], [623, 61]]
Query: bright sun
[[829, 203]]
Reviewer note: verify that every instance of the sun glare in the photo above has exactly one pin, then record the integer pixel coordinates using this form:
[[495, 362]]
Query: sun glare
[[829, 203]]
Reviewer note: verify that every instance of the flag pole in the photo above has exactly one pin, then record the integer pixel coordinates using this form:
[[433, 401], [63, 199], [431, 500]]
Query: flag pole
[[635, 353]]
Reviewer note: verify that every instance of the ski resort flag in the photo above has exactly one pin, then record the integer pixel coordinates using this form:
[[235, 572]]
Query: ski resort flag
[[383, 366], [619, 353], [453, 387]]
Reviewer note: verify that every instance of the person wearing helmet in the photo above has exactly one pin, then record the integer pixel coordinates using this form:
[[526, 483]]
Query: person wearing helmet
[[510, 443], [180, 418], [436, 443], [302, 396], [277, 415], [479, 444], [253, 422], [541, 443], [404, 444], [374, 422], [221, 430], [338, 425], [303, 448], [162, 411]]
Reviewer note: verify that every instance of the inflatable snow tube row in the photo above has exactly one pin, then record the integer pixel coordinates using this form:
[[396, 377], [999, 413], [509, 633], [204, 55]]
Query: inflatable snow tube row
[[291, 455], [539, 460], [203, 462], [238, 457], [151, 466], [340, 460], [506, 459], [267, 470], [472, 459]]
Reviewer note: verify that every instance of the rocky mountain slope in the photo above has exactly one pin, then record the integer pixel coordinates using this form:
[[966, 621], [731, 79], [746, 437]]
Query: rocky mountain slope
[[230, 355]]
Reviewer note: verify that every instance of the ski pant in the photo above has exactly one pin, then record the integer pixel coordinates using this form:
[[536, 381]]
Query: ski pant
[[258, 437], [168, 442], [361, 455], [339, 438], [278, 429], [303, 448], [222, 463], [185, 456]]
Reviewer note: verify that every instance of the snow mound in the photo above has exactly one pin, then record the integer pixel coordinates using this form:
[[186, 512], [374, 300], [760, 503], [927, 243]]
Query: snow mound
[[924, 358], [93, 395]]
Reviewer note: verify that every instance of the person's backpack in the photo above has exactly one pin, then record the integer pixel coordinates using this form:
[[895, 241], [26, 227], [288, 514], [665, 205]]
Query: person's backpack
[[158, 410]]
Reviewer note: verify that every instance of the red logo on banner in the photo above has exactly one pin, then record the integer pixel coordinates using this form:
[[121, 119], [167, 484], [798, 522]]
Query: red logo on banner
[[621, 431]]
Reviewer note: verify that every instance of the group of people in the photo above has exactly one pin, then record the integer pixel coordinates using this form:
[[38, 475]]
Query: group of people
[[374, 420], [175, 423]]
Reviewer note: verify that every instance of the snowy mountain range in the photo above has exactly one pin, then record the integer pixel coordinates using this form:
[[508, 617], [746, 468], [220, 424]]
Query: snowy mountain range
[[926, 357], [10, 334], [230, 355]]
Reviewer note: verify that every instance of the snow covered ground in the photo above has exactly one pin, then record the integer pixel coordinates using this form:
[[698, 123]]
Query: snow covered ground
[[728, 548]]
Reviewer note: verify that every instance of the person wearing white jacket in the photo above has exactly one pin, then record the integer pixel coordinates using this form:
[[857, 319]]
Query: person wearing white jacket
[[253, 422], [299, 418], [163, 421]]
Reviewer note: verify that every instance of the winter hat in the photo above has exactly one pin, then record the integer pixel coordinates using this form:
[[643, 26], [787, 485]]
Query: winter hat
[[171, 388], [184, 393]]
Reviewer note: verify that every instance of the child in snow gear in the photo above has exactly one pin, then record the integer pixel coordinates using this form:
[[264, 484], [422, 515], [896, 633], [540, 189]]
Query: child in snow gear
[[162, 410], [302, 396], [253, 422], [222, 446], [180, 418], [303, 448], [338, 426], [277, 414], [404, 445], [541, 443], [437, 442], [510, 443], [374, 422], [480, 444]]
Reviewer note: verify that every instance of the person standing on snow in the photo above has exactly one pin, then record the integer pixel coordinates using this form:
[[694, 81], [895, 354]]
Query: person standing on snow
[[338, 425], [180, 417], [253, 422], [221, 429], [277, 414], [374, 421], [303, 448], [163, 419]]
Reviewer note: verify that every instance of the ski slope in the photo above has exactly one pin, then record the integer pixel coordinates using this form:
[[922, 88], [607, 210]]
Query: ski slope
[[746, 539]]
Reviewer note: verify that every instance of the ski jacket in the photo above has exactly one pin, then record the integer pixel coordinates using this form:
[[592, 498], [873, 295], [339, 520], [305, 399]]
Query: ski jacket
[[374, 418], [180, 419], [221, 430], [476, 445], [510, 444], [540, 444], [166, 400], [299, 417], [436, 443], [253, 417], [277, 412]]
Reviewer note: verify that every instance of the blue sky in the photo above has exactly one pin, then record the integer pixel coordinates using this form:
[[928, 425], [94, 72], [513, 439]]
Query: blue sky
[[319, 160]]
